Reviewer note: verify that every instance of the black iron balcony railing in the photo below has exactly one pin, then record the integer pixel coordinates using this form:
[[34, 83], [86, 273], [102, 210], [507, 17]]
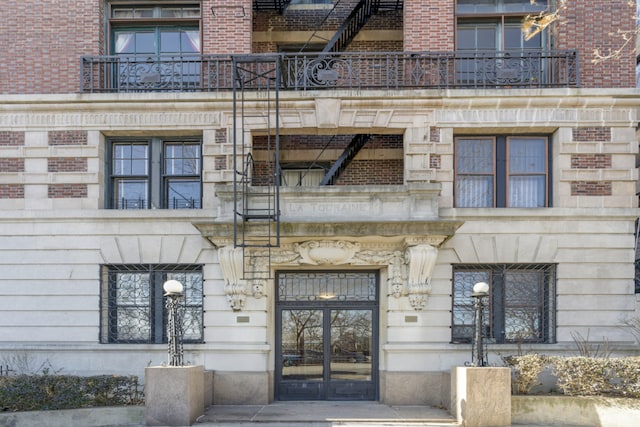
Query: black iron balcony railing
[[346, 70]]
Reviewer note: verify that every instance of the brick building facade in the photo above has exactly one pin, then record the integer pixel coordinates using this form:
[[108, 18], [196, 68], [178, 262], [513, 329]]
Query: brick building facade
[[328, 190]]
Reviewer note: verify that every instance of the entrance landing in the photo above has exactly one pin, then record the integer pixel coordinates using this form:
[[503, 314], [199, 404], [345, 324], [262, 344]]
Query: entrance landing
[[325, 414]]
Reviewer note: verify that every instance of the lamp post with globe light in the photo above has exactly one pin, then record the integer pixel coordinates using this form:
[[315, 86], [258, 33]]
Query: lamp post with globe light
[[174, 291], [478, 355]]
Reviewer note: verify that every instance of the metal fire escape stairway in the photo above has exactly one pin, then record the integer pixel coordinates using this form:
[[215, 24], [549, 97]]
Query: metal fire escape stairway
[[357, 19], [256, 182], [258, 203], [345, 158]]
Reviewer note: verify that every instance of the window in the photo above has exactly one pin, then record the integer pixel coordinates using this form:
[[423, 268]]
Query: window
[[133, 306], [158, 47], [521, 303], [500, 6], [302, 175], [155, 173], [503, 171], [491, 46]]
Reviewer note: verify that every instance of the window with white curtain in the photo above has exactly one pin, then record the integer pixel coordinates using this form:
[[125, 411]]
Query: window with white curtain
[[502, 171]]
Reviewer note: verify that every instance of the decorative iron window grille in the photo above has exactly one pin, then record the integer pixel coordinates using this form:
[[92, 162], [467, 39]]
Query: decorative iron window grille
[[133, 307], [521, 306]]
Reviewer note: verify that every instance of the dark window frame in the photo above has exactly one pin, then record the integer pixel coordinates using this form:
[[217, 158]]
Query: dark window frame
[[157, 179], [501, 168], [496, 317], [149, 303]]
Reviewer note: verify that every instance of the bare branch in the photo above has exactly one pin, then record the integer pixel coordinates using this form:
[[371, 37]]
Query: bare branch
[[535, 24]]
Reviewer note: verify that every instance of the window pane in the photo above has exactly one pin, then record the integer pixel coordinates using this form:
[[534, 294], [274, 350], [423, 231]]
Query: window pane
[[130, 194], [131, 295], [192, 310], [466, 38], [486, 39], [182, 159], [527, 155], [124, 42], [463, 312], [183, 194], [170, 41], [474, 191], [145, 42], [190, 41], [527, 191], [350, 343], [302, 345], [130, 159], [474, 156], [513, 38]]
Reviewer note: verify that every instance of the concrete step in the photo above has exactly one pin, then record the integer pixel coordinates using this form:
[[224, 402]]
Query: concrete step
[[321, 414]]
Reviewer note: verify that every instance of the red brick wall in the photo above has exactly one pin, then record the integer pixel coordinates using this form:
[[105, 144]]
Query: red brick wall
[[373, 172], [591, 188], [67, 191], [67, 164], [47, 60], [585, 134], [67, 137], [11, 139], [363, 170], [11, 165], [42, 42], [11, 191], [226, 26], [586, 25], [591, 161], [429, 25]]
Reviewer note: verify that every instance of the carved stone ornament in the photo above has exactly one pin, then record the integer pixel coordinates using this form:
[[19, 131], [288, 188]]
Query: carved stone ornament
[[421, 260], [231, 263], [409, 271], [326, 252]]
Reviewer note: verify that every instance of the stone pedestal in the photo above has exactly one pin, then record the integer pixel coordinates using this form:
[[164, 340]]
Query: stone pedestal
[[481, 396], [174, 395]]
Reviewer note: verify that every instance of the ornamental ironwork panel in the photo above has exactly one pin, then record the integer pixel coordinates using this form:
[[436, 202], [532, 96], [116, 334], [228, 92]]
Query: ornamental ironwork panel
[[343, 70], [327, 286]]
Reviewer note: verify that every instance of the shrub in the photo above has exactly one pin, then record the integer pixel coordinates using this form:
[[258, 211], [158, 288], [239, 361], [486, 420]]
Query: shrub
[[579, 376], [43, 392], [585, 376], [526, 370]]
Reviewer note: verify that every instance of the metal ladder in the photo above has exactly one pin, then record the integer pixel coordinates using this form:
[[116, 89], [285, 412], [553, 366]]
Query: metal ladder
[[256, 204]]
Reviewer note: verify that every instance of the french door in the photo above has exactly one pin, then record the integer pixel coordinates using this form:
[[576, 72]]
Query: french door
[[327, 329]]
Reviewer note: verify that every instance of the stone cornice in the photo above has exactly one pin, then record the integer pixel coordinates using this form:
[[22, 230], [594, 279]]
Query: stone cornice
[[429, 232]]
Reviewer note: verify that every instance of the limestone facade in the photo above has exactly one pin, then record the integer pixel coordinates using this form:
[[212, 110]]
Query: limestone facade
[[52, 247]]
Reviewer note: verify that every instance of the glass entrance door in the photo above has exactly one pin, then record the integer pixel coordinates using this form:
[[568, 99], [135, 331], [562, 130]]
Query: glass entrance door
[[327, 336]]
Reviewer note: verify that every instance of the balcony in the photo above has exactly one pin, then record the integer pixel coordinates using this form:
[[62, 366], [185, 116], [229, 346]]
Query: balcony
[[314, 71]]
